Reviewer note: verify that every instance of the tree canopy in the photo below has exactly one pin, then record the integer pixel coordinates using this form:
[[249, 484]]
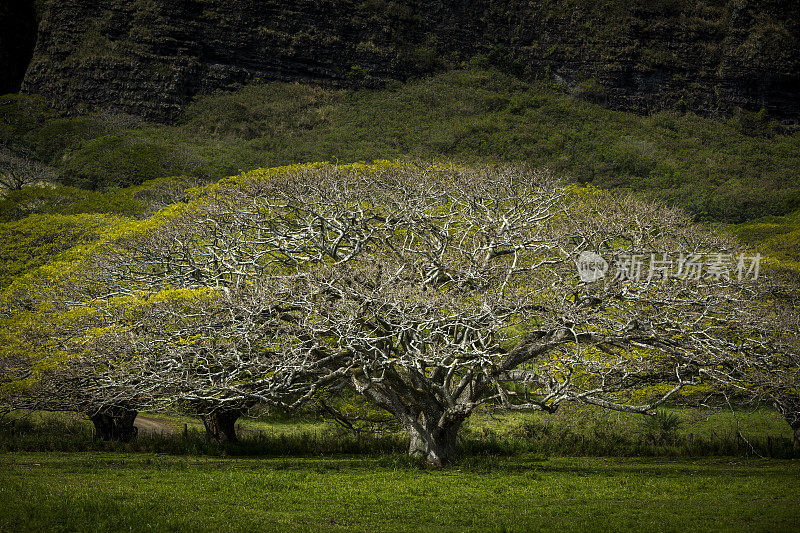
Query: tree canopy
[[430, 289]]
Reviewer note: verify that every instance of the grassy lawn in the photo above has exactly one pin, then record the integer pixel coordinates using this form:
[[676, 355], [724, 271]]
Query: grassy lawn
[[146, 492]]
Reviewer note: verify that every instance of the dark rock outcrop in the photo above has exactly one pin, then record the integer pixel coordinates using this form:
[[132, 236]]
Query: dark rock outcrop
[[149, 58]]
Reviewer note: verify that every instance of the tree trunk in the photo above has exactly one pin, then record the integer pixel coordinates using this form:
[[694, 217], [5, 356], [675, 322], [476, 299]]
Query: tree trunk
[[221, 425], [434, 441], [431, 423], [114, 423]]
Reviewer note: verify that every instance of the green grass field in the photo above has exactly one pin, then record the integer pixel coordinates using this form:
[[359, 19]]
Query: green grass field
[[577, 470], [146, 492]]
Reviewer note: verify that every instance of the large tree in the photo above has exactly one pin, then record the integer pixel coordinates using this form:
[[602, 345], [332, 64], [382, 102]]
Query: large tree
[[430, 289]]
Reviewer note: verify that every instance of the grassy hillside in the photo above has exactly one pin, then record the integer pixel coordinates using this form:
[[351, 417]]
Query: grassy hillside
[[734, 171], [776, 236]]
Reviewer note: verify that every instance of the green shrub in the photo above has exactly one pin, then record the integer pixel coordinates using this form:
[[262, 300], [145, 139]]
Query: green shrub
[[752, 124], [662, 427], [15, 205], [59, 135], [122, 161], [22, 114]]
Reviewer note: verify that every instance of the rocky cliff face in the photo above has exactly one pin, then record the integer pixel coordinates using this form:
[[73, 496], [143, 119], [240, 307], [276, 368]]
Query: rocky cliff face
[[150, 57]]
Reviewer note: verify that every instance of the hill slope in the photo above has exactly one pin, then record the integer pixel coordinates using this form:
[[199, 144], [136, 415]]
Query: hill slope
[[730, 171]]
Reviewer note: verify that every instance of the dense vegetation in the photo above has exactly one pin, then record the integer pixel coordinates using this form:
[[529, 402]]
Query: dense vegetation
[[730, 171], [572, 431]]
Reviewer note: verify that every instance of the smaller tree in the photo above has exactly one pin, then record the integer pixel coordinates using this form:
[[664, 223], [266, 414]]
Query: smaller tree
[[18, 169]]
